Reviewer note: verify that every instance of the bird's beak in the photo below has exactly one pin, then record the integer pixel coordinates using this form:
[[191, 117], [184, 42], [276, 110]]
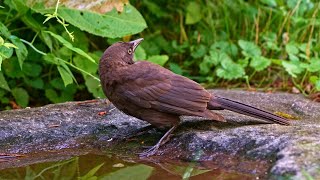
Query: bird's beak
[[135, 43]]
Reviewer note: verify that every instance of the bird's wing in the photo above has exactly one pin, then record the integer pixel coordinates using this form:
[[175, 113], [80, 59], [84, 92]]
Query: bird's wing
[[151, 86]]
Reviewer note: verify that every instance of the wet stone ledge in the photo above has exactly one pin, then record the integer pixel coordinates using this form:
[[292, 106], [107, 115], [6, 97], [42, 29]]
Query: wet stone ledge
[[289, 150]]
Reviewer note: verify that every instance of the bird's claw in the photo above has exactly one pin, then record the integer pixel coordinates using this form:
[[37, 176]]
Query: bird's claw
[[149, 152]]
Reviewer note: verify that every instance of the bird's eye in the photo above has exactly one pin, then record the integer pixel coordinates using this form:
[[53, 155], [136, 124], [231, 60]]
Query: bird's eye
[[130, 51]]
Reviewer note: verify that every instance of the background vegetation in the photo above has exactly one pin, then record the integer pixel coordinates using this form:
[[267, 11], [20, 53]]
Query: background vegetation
[[49, 53]]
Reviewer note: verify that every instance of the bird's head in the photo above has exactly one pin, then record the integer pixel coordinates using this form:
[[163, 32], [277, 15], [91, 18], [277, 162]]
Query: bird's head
[[120, 53]]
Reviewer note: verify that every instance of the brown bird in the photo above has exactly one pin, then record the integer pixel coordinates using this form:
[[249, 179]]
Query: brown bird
[[154, 94]]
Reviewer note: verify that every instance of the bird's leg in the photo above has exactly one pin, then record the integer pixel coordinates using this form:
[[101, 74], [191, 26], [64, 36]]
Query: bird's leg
[[139, 132], [162, 141]]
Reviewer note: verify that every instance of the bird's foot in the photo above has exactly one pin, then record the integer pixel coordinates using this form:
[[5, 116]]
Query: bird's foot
[[150, 152]]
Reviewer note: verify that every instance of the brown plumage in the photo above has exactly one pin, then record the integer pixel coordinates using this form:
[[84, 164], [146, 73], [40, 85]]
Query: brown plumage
[[154, 94]]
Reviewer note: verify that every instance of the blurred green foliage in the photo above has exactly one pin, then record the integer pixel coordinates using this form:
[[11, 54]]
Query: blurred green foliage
[[259, 44], [235, 43]]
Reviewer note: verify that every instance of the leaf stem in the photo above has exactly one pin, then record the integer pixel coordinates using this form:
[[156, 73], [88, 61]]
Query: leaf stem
[[34, 48]]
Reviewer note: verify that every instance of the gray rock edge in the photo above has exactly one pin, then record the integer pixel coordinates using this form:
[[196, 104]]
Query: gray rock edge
[[291, 150]]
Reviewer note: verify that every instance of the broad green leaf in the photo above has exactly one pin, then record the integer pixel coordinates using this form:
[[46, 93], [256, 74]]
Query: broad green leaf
[[4, 30], [175, 68], [31, 69], [205, 65], [5, 52], [11, 68], [35, 83], [66, 95], [159, 59], [21, 96], [199, 51], [271, 41], [57, 83], [18, 5], [85, 65], [193, 13], [140, 53], [314, 65], [1, 59], [292, 48], [224, 46], [94, 87], [293, 68], [249, 49], [230, 70], [272, 3], [70, 46], [91, 173], [111, 24], [52, 95], [259, 63], [313, 79], [21, 52], [65, 75], [3, 82], [156, 9], [293, 57], [46, 38], [1, 41], [217, 57], [138, 172], [10, 45]]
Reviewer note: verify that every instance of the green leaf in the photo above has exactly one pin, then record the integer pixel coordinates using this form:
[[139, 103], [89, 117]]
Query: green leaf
[[314, 65], [140, 53], [35, 83], [91, 173], [3, 82], [21, 96], [66, 94], [159, 59], [175, 68], [193, 13], [57, 83], [272, 3], [249, 49], [292, 67], [292, 48], [10, 45], [94, 87], [18, 5], [224, 46], [217, 57], [70, 46], [85, 65], [52, 95], [21, 52], [65, 75], [111, 24], [1, 41], [230, 70], [31, 69], [46, 38], [199, 52], [259, 63], [138, 172], [5, 52], [206, 65], [4, 30], [11, 68]]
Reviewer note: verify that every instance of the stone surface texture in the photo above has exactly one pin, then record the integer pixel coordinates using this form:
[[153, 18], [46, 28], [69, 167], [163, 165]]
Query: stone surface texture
[[291, 150]]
